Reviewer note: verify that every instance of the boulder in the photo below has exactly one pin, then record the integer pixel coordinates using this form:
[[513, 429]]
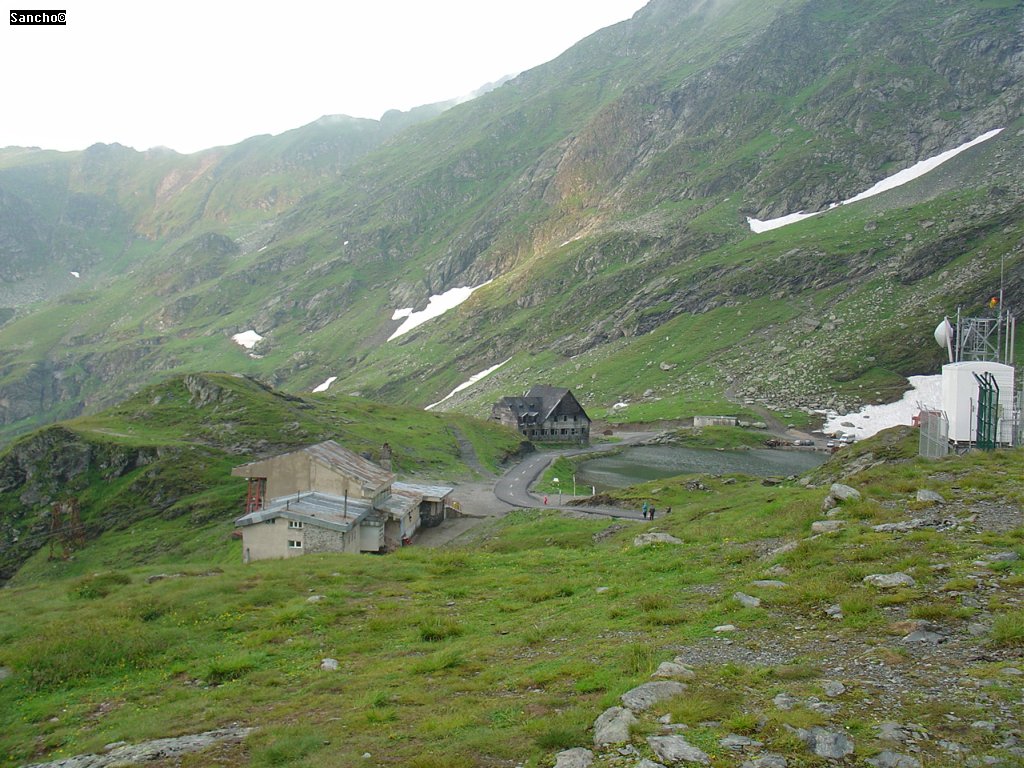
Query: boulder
[[833, 688], [889, 759], [674, 669], [748, 601], [766, 761], [930, 497], [647, 695], [842, 493], [827, 526], [889, 580], [770, 584], [826, 743], [739, 743], [329, 665], [785, 701], [612, 727], [574, 758], [645, 539], [676, 749]]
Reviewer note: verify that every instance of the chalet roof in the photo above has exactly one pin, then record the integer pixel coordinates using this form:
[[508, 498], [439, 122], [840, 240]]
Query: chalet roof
[[539, 403], [334, 456], [323, 510]]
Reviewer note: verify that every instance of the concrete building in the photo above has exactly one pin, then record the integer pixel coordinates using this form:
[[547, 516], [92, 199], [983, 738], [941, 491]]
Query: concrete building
[[325, 498], [545, 414]]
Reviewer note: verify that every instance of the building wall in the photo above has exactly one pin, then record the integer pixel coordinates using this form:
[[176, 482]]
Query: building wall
[[371, 537], [297, 472], [325, 540], [715, 421], [269, 541], [960, 397]]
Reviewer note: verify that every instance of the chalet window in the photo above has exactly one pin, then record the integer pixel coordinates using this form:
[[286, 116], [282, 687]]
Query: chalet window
[[294, 544], [271, 521], [294, 523]]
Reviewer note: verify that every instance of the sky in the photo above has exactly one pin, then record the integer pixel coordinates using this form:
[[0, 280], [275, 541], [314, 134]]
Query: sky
[[193, 75]]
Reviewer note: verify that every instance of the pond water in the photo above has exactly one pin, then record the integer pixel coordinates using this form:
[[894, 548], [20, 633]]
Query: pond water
[[650, 462]]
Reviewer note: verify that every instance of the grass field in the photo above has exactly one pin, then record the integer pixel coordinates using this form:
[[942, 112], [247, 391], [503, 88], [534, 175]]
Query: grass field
[[504, 649]]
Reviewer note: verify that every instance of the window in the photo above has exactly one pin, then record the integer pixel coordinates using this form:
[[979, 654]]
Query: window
[[294, 544], [271, 521], [294, 523]]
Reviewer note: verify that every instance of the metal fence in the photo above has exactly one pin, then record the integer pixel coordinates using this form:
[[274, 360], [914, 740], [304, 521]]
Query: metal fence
[[934, 434]]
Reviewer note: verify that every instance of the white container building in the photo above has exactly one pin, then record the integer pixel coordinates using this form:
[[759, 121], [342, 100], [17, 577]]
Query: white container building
[[960, 398]]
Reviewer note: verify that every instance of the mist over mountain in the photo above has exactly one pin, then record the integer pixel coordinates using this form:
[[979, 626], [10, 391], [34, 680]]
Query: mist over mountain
[[605, 195]]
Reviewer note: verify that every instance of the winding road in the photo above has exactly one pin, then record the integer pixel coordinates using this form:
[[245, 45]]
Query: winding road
[[512, 488]]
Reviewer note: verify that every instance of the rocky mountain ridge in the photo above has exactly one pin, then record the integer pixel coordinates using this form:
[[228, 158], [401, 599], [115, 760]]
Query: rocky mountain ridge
[[604, 193]]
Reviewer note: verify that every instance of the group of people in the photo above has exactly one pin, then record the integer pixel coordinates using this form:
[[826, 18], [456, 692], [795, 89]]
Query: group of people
[[648, 511]]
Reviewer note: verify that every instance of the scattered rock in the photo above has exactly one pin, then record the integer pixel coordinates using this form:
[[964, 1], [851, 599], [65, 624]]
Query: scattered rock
[[645, 763], [827, 526], [739, 743], [890, 759], [889, 580], [170, 750], [924, 636], [835, 611], [785, 702], [655, 538], [314, 598], [826, 743], [1001, 557], [574, 758], [843, 493], [674, 669], [613, 726], [675, 749], [892, 732], [770, 584], [726, 628], [930, 497], [5, 672], [748, 601], [647, 695], [766, 761], [329, 665], [833, 688]]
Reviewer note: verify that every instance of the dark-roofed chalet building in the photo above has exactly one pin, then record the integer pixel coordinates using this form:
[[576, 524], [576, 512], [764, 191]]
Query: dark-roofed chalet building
[[549, 414], [325, 498]]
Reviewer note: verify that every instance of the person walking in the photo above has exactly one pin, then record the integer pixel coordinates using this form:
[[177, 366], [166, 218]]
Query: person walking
[[644, 510]]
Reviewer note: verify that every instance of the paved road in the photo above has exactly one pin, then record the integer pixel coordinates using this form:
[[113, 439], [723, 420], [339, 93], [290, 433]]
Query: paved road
[[513, 487]]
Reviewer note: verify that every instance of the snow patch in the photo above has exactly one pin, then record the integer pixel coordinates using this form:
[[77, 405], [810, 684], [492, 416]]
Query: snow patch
[[898, 179], [246, 339], [468, 383], [324, 387], [925, 392], [436, 306], [75, 274]]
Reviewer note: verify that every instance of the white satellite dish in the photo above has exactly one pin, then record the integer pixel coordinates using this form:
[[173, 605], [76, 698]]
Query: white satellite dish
[[944, 336]]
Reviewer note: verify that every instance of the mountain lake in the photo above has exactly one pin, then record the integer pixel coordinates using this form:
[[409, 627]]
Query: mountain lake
[[650, 462]]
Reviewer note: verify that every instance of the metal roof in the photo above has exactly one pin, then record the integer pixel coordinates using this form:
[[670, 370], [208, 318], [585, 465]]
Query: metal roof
[[426, 492], [318, 509]]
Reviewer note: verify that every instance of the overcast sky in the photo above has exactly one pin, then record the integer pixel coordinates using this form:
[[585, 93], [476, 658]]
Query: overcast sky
[[191, 75]]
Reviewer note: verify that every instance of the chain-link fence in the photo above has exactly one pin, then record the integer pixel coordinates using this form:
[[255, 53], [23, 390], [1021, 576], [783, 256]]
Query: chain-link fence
[[934, 434]]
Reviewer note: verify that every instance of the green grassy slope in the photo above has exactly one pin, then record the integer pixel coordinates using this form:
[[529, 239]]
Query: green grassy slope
[[606, 195], [505, 650], [166, 455]]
